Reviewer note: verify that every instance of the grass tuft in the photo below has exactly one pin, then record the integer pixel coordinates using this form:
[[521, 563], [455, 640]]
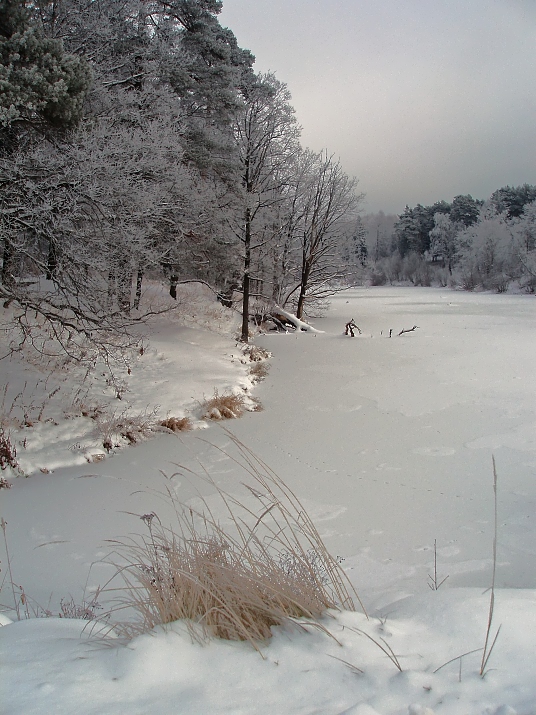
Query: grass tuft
[[268, 567], [177, 424], [223, 407], [259, 370]]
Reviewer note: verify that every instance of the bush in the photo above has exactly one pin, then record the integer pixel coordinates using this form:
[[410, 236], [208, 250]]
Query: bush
[[377, 277], [256, 354], [469, 280], [259, 371], [267, 568], [116, 430]]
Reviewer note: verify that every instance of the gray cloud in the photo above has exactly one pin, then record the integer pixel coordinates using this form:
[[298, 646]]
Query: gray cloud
[[422, 100]]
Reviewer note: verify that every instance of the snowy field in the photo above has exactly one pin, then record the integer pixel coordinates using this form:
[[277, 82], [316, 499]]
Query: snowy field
[[388, 441]]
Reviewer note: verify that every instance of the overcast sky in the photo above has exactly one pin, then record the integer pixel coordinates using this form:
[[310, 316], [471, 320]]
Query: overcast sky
[[420, 99]]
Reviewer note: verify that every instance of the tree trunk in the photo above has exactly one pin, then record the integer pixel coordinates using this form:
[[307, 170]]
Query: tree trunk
[[139, 283], [173, 280], [303, 290], [52, 260], [124, 287], [111, 287], [8, 265], [245, 283]]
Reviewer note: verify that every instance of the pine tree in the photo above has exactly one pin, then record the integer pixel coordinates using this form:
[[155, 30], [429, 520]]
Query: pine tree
[[39, 82]]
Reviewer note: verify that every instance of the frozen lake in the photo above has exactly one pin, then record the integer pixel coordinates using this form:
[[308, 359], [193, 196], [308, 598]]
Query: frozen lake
[[387, 441], [390, 440]]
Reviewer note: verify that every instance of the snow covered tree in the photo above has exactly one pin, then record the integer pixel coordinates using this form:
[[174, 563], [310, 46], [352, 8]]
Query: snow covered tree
[[524, 230], [464, 210], [39, 82], [413, 227], [512, 200], [266, 134], [329, 205], [443, 239], [128, 190], [487, 252], [407, 231]]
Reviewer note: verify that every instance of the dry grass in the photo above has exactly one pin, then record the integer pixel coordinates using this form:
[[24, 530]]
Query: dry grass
[[259, 370], [117, 429], [223, 407], [177, 424], [256, 354], [268, 567]]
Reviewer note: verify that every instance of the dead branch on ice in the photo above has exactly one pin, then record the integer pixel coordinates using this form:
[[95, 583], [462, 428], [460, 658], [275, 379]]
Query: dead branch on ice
[[350, 327], [408, 330]]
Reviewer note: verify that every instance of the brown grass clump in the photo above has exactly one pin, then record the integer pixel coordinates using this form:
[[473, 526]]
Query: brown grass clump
[[177, 424], [268, 567], [223, 407], [116, 430]]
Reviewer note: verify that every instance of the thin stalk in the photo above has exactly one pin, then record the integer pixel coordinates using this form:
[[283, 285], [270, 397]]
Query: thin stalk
[[487, 652], [3, 524]]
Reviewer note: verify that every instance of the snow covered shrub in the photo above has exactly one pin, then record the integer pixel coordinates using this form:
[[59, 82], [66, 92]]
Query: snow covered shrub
[[233, 581], [387, 270], [92, 410], [4, 484], [259, 371], [487, 254], [119, 430], [256, 354], [469, 279], [377, 277], [256, 405], [442, 277], [223, 407], [416, 270]]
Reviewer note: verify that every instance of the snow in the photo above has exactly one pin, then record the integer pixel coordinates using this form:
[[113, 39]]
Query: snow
[[388, 443]]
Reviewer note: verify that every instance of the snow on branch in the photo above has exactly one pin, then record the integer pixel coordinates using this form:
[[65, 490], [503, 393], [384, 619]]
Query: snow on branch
[[296, 322]]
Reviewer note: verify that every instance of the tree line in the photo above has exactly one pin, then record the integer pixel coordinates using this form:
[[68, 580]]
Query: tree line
[[137, 143], [473, 243]]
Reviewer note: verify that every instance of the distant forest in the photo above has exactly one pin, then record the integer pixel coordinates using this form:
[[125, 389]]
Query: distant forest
[[470, 242], [138, 147]]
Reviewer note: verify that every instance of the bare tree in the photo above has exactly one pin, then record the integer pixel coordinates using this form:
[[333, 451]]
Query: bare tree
[[326, 209], [266, 134]]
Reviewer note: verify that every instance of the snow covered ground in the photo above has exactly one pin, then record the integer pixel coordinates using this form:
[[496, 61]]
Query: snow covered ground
[[387, 441]]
